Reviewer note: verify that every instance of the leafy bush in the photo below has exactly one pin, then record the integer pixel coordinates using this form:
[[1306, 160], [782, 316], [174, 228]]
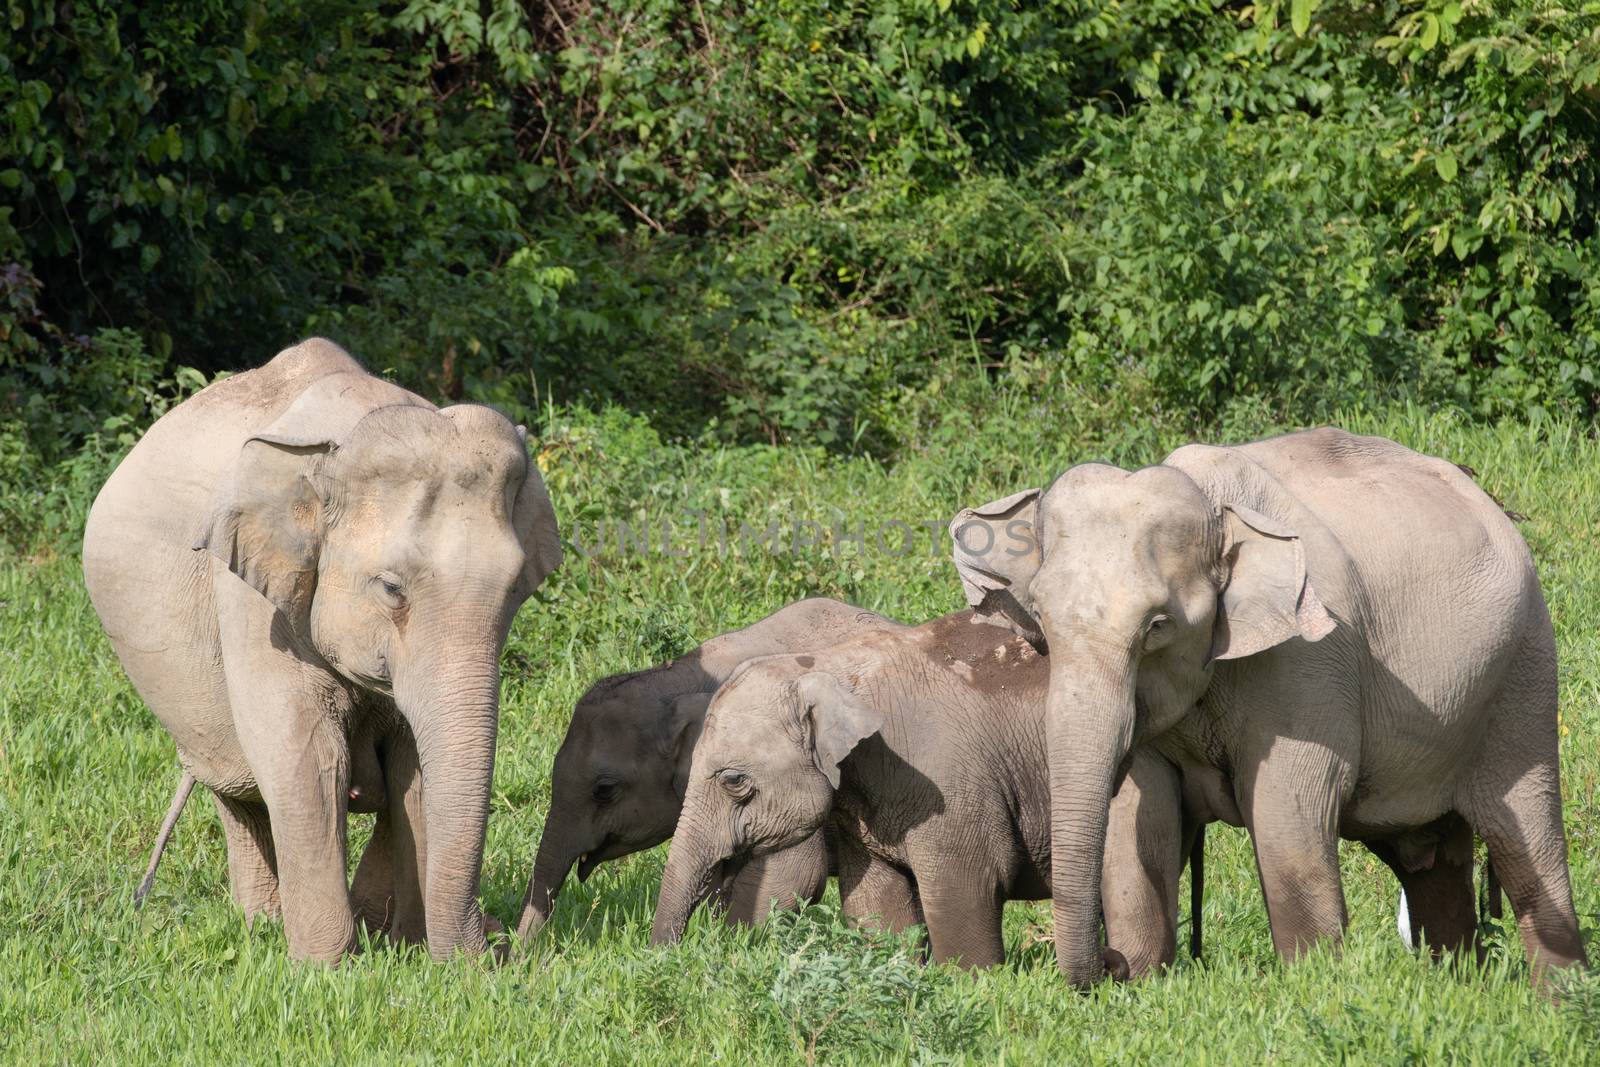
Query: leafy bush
[[778, 221], [1227, 260], [70, 405], [176, 179]]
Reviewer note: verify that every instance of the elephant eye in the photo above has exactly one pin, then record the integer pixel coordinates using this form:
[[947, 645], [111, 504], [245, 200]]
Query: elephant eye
[[606, 792], [1158, 632], [736, 784], [389, 588]]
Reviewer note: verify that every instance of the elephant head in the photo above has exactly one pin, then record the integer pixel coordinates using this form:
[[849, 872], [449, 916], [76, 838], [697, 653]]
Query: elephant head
[[617, 784], [762, 779], [1139, 584], [397, 541]]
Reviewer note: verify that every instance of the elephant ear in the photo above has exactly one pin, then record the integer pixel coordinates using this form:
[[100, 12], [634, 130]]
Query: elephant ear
[[996, 552], [837, 721], [685, 720], [1268, 599], [267, 520], [535, 521]]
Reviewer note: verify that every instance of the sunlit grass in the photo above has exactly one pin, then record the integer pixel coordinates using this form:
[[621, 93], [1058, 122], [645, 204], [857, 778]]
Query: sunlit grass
[[85, 774]]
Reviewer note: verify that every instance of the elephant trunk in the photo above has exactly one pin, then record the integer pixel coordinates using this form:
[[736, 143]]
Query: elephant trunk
[[1090, 717], [554, 859], [691, 876], [454, 713]]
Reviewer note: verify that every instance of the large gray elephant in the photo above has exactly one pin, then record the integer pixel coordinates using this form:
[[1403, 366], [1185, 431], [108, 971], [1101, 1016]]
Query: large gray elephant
[[924, 749], [1330, 635], [619, 777], [308, 574]]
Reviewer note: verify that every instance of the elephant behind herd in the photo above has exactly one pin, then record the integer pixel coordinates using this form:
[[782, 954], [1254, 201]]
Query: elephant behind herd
[[309, 574]]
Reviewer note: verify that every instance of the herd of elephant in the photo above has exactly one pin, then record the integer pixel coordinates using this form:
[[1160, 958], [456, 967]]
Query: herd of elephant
[[309, 574]]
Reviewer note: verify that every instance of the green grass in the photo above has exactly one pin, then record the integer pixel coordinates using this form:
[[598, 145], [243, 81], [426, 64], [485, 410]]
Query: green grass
[[85, 774]]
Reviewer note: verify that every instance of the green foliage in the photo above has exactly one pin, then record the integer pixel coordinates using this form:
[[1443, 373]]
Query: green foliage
[[1580, 1000], [845, 992], [779, 220], [69, 403], [1226, 259], [168, 161], [57, 389]]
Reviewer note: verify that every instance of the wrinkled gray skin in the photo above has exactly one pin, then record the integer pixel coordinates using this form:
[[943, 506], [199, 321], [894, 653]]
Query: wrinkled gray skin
[[308, 574], [618, 780], [1330, 636], [924, 748]]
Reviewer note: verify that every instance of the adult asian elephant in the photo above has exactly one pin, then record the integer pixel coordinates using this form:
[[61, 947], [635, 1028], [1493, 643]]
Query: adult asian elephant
[[308, 574], [619, 777], [1330, 635]]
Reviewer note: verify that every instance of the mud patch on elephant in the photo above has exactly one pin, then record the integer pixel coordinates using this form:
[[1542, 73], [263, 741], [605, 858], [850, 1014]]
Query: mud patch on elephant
[[987, 657]]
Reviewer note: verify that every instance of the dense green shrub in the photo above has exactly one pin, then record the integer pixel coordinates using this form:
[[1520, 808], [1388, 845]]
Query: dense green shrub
[[783, 220], [70, 405], [168, 163]]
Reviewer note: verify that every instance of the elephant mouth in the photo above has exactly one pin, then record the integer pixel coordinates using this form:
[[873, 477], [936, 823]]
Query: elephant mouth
[[373, 677], [587, 862], [717, 889], [710, 885], [594, 857]]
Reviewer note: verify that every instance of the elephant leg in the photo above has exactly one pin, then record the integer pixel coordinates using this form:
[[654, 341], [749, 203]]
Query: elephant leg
[[393, 888], [1533, 869], [1291, 810], [1143, 859], [252, 867], [372, 889], [963, 918], [1439, 900], [1194, 852], [298, 761], [781, 881], [872, 892], [287, 715], [1514, 802], [305, 794]]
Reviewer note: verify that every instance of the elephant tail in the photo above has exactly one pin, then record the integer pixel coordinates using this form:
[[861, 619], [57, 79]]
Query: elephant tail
[[1197, 888], [179, 799]]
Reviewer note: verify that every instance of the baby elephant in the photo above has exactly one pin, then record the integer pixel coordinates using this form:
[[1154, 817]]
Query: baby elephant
[[618, 780], [924, 748]]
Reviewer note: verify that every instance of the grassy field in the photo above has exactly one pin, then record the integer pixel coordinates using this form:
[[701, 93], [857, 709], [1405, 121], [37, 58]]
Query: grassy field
[[85, 774]]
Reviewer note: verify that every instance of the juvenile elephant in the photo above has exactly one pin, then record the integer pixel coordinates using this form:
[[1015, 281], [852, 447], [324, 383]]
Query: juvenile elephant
[[1330, 635], [619, 777], [924, 748], [308, 574]]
